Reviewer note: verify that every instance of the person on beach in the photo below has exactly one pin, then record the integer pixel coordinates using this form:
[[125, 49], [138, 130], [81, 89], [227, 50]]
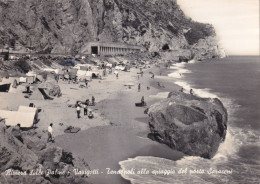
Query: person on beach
[[87, 102], [117, 76], [152, 76], [93, 100], [191, 91], [78, 111], [86, 83], [90, 115], [139, 87], [181, 90], [142, 100], [50, 133], [85, 108]]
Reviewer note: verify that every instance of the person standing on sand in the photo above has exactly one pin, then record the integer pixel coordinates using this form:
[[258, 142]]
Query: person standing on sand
[[50, 133], [87, 102], [93, 100], [86, 83], [142, 100], [117, 76], [85, 108], [139, 87], [78, 111]]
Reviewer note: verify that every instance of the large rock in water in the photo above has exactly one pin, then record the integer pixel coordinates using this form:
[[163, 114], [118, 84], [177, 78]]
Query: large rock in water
[[193, 125]]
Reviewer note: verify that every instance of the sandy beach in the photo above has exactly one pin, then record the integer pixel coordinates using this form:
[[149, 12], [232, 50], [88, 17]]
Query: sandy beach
[[124, 131], [118, 130]]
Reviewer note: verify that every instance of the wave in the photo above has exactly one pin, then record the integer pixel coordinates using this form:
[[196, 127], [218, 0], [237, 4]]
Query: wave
[[180, 70], [160, 95], [190, 168]]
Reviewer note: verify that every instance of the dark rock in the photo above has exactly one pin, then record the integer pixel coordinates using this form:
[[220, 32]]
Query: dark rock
[[193, 125], [32, 154]]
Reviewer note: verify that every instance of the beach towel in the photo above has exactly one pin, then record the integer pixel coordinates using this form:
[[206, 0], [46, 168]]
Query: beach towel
[[72, 129]]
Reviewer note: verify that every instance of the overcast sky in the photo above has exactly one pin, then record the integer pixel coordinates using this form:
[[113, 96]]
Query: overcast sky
[[236, 22]]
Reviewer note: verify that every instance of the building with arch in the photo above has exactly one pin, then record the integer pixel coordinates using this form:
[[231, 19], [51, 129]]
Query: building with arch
[[112, 48]]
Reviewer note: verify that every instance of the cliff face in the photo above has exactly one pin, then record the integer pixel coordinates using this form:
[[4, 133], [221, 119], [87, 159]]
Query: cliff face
[[64, 26]]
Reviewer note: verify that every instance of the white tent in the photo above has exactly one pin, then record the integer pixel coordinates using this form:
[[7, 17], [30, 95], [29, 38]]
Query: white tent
[[120, 67], [32, 74], [25, 116], [51, 70], [22, 79]]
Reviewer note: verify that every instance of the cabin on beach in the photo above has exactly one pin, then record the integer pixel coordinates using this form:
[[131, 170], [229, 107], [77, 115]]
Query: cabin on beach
[[110, 49]]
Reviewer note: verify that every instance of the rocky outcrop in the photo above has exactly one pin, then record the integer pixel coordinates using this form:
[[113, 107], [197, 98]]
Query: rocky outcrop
[[64, 26], [193, 125], [23, 153]]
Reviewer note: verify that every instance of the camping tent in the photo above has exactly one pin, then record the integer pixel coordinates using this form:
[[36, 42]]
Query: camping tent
[[119, 67], [25, 116], [30, 80], [32, 74], [22, 80], [8, 84]]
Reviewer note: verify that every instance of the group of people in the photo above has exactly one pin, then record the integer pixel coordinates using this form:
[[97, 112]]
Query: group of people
[[85, 108], [191, 91]]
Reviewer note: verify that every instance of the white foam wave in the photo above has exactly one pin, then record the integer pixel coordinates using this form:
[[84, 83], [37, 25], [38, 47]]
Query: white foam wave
[[205, 93], [192, 61], [175, 75], [166, 171], [179, 70], [160, 95]]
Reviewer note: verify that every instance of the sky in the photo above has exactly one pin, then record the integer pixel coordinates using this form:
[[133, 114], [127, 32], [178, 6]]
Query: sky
[[235, 21]]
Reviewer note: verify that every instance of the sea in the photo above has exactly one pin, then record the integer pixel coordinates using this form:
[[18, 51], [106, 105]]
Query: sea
[[235, 80]]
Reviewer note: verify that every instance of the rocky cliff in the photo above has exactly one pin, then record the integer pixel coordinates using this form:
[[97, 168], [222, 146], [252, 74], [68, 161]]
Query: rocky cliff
[[64, 26], [193, 125], [26, 158]]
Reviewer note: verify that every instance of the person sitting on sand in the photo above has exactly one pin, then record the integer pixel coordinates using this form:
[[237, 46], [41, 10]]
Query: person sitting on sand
[[181, 90], [50, 134], [191, 91], [90, 115]]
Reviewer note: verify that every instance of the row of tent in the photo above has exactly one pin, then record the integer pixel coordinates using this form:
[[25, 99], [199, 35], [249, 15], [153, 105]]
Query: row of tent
[[81, 71]]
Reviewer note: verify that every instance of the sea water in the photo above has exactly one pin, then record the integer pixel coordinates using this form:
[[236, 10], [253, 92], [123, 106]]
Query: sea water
[[236, 82]]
